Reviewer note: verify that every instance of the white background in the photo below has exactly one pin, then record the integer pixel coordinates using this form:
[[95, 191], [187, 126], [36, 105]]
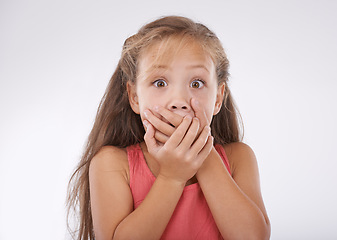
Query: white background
[[56, 58]]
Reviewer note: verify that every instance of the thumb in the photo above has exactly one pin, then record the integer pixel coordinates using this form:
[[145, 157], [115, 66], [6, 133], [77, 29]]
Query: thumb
[[199, 113]]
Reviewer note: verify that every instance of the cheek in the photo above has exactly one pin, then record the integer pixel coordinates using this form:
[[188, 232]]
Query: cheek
[[208, 108], [208, 103], [149, 104], [150, 101], [209, 114]]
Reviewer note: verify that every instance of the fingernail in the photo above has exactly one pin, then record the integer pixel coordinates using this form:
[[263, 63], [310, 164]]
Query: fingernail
[[146, 123], [146, 113], [188, 117], [156, 108]]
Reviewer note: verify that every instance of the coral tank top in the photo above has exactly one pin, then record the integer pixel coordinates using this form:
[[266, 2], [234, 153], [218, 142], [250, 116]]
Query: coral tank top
[[192, 218]]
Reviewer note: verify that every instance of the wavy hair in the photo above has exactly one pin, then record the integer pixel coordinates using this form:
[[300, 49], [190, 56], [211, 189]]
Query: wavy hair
[[116, 124]]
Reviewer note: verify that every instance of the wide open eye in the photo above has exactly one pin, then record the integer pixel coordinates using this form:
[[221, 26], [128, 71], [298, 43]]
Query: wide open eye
[[160, 83], [197, 83]]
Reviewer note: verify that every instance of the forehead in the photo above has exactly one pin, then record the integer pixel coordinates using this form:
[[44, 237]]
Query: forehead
[[164, 52]]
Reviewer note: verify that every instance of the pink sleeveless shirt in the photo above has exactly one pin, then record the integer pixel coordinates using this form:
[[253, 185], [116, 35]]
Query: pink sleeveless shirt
[[192, 218]]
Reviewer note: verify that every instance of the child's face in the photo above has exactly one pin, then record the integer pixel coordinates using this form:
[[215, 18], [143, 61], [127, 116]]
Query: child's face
[[172, 82]]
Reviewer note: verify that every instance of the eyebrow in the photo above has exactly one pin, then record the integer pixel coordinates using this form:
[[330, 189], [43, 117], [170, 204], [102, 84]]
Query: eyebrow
[[198, 66], [158, 66]]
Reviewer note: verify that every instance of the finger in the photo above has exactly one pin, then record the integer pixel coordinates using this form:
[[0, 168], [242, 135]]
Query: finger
[[161, 137], [179, 133], [200, 112], [149, 137], [159, 124], [199, 144], [203, 154], [171, 117], [191, 134]]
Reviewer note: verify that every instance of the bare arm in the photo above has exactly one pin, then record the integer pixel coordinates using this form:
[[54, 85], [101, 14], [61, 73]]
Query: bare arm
[[111, 199], [236, 203], [150, 219], [108, 179], [112, 203]]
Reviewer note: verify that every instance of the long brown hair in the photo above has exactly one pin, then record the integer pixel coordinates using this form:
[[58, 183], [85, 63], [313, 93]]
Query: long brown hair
[[116, 124]]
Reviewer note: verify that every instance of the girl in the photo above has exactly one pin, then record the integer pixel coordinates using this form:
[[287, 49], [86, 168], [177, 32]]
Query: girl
[[164, 158]]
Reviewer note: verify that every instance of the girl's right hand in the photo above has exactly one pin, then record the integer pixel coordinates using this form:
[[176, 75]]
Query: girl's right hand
[[183, 153], [165, 129]]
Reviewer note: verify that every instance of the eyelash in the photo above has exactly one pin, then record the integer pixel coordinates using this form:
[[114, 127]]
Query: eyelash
[[198, 80], [159, 81], [155, 83]]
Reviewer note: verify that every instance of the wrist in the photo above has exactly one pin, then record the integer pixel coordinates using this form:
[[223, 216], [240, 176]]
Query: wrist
[[207, 164], [170, 181]]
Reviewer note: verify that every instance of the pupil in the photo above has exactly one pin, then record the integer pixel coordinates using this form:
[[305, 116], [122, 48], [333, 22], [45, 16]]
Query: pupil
[[195, 85]]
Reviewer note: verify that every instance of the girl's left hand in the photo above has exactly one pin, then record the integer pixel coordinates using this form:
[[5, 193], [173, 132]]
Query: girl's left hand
[[200, 112]]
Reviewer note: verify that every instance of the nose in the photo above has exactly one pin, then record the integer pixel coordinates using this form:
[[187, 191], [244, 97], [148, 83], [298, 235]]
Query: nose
[[180, 103], [177, 105]]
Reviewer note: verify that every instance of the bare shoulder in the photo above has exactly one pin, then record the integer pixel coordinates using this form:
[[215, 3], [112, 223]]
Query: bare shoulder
[[240, 156], [110, 159], [238, 149], [245, 172], [110, 194]]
